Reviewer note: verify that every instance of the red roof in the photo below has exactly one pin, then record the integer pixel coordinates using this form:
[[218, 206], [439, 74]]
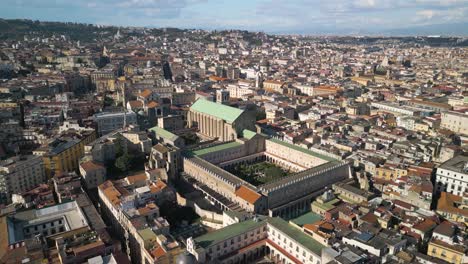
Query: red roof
[[248, 194], [91, 165]]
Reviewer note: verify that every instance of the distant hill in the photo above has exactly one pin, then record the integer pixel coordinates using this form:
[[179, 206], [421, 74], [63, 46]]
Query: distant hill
[[17, 28], [457, 29]]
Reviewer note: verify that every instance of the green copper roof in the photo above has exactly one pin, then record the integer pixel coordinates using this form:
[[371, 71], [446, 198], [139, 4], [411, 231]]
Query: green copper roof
[[297, 234], [303, 150], [237, 229], [163, 133], [248, 134], [228, 232], [216, 148], [230, 114], [307, 218]]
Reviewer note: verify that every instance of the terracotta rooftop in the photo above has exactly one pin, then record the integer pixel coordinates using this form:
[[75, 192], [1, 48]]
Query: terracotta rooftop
[[425, 225], [91, 165], [157, 186], [247, 194], [447, 202], [112, 194], [136, 178], [152, 104], [145, 93], [135, 104]]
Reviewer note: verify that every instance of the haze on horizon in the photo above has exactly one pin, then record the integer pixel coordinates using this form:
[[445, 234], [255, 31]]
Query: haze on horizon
[[341, 17]]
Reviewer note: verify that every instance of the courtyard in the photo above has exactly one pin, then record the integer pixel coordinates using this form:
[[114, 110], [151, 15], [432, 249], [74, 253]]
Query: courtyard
[[258, 173]]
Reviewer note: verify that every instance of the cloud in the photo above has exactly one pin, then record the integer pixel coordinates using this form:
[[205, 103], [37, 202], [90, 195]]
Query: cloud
[[263, 15], [441, 16]]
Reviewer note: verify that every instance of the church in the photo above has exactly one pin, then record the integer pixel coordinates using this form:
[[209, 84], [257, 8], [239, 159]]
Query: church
[[220, 121]]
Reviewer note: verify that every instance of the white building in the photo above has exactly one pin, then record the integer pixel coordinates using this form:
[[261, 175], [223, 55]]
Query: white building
[[252, 239], [237, 91], [46, 221], [20, 174], [110, 121], [454, 121], [452, 176]]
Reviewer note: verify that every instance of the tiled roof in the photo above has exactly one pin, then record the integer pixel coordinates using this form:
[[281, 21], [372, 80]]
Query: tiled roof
[[135, 104], [145, 93], [91, 165], [136, 178], [152, 104], [112, 194], [247, 194]]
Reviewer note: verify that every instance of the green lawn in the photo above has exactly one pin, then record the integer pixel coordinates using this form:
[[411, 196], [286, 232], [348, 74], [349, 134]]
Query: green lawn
[[258, 173]]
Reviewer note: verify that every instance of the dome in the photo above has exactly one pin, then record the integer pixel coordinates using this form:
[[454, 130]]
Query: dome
[[186, 258]]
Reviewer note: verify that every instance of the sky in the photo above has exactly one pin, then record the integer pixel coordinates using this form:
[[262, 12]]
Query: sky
[[271, 16]]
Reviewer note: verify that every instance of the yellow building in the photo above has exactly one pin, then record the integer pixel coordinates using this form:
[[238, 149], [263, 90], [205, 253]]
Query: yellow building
[[390, 173], [445, 251], [7, 104], [274, 86], [63, 154]]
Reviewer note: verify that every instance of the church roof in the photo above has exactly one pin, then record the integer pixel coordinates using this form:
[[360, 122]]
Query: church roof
[[227, 113]]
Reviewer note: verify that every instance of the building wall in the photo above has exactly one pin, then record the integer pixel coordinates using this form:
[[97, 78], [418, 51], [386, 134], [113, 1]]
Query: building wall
[[444, 253], [112, 121], [292, 155], [451, 182], [211, 126], [68, 159], [306, 185], [93, 178], [25, 176], [279, 245], [456, 122]]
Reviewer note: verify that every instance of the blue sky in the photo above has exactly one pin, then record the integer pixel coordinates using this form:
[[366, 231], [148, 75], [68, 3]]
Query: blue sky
[[276, 16]]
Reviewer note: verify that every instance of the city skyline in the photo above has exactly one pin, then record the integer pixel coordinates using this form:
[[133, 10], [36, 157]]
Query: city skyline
[[359, 17]]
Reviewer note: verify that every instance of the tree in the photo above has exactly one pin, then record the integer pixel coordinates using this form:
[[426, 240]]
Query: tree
[[123, 162], [108, 101], [119, 147], [61, 117]]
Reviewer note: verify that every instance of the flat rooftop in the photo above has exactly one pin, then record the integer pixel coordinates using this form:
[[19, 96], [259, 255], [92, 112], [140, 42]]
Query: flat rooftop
[[203, 151], [70, 212], [456, 164], [306, 173], [237, 229], [303, 150]]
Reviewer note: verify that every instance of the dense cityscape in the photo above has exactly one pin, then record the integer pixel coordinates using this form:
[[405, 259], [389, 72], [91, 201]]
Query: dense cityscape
[[165, 145]]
